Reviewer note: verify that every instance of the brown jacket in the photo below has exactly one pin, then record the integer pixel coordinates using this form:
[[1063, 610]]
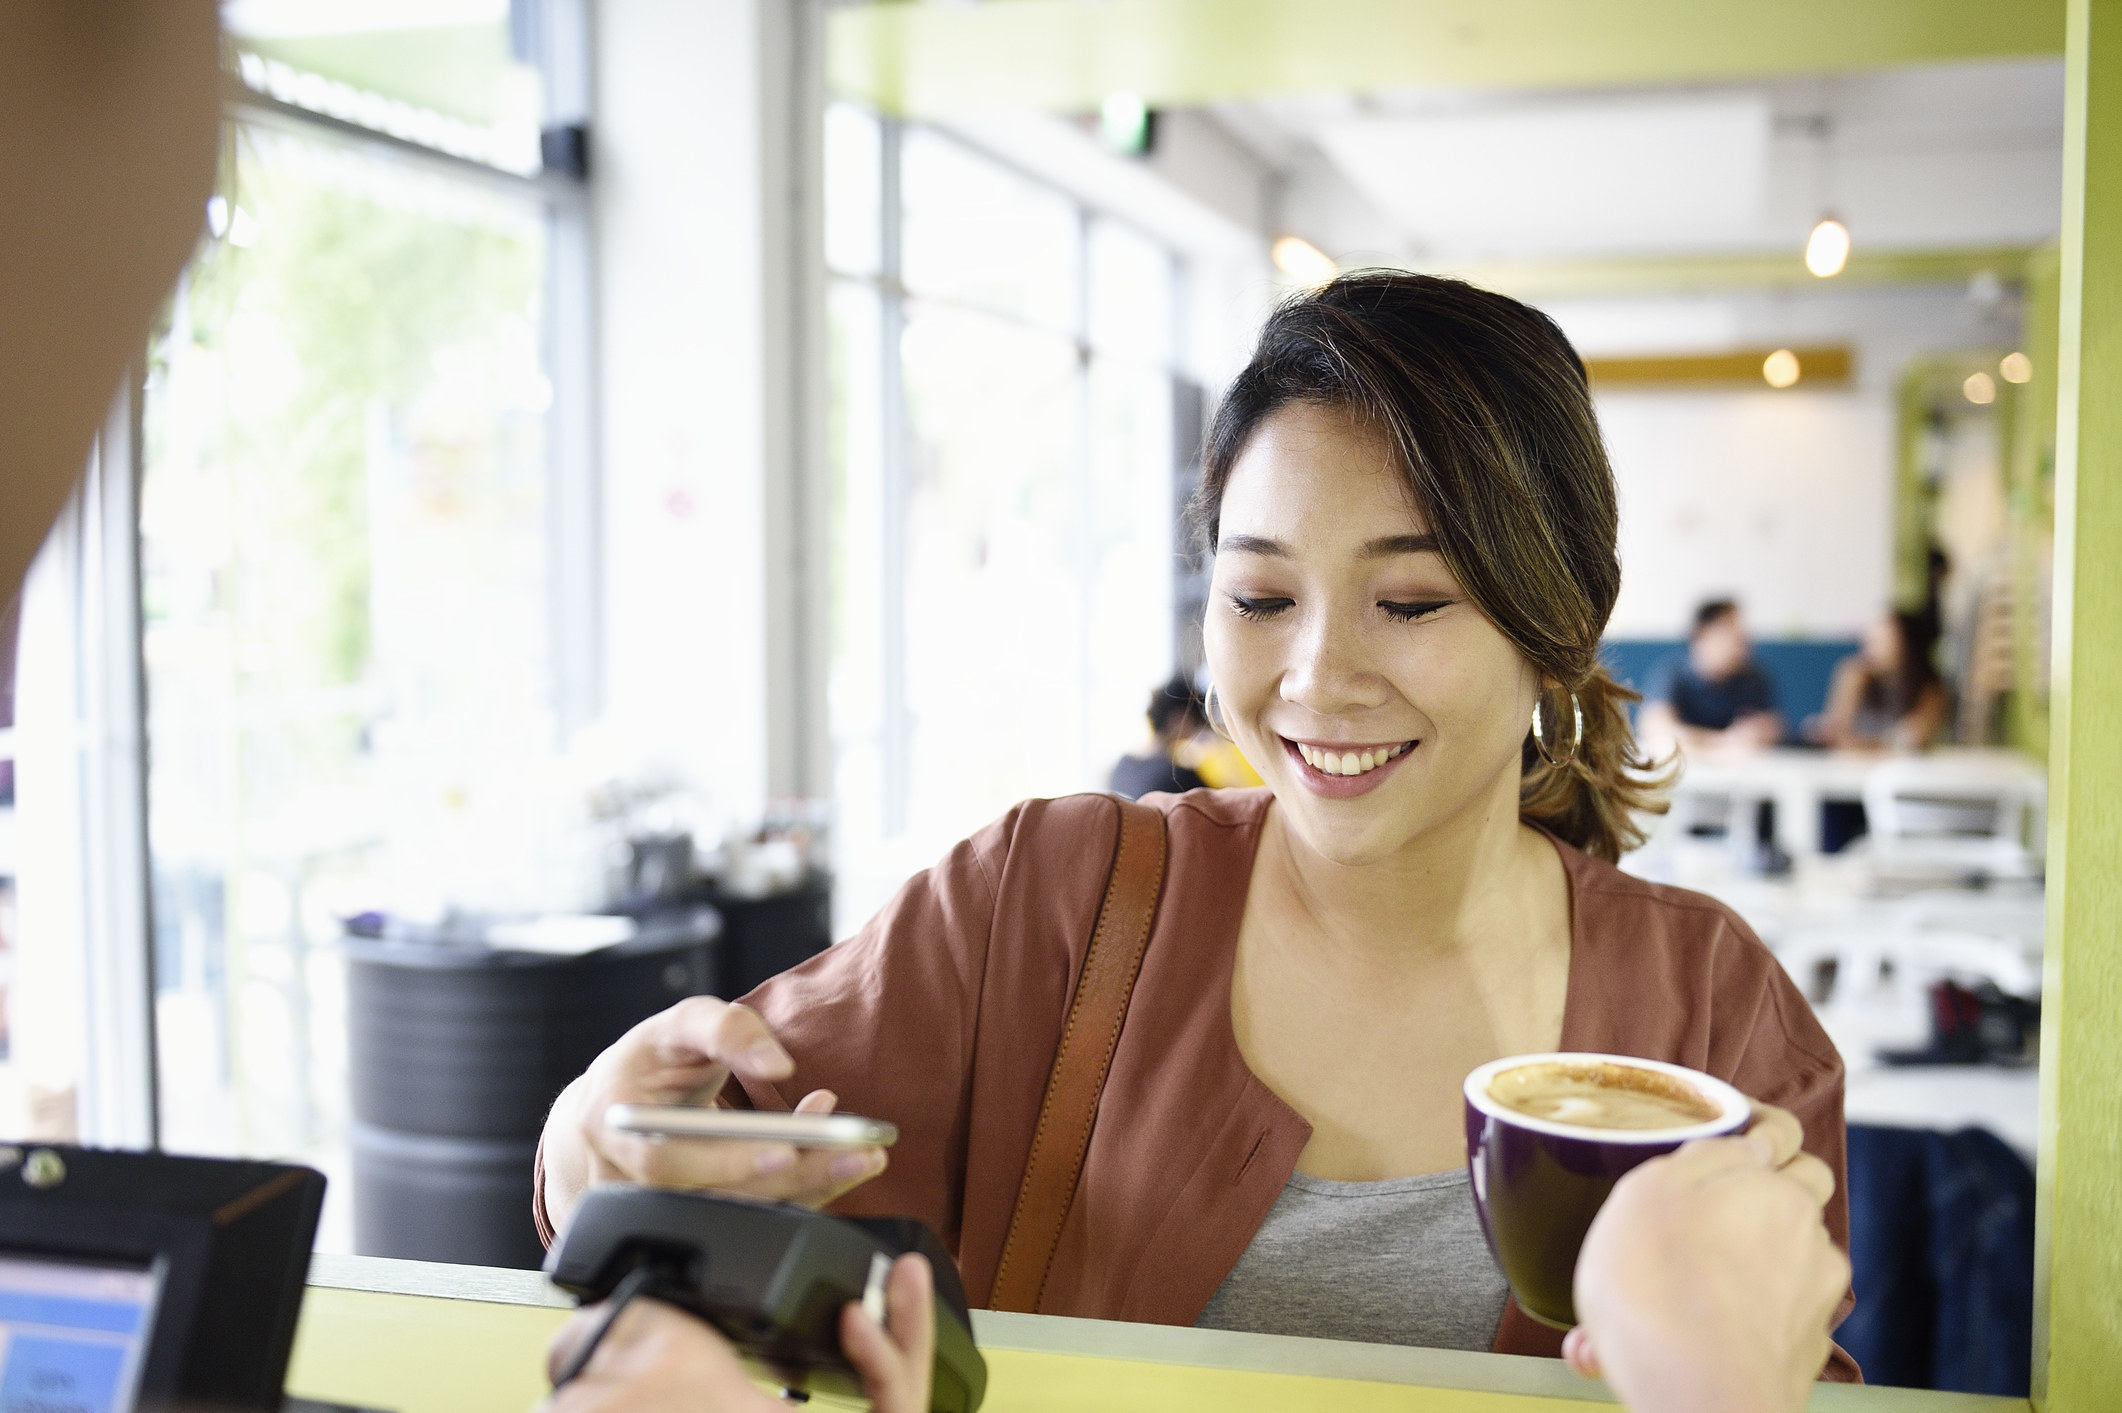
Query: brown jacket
[[944, 1013]]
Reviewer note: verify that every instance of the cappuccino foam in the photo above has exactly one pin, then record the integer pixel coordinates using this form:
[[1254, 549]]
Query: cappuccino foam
[[1601, 1096]]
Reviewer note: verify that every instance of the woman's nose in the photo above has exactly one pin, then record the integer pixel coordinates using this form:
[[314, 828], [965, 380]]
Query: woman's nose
[[1330, 671]]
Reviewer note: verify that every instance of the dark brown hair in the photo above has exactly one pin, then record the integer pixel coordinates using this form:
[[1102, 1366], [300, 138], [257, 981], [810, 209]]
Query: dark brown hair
[[1486, 408]]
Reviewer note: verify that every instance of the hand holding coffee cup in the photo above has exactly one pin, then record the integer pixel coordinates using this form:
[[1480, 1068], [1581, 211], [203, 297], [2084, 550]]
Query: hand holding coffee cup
[[1708, 1280], [1548, 1136]]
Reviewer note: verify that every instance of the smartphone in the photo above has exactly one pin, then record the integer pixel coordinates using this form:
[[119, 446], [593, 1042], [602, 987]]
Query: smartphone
[[751, 1125]]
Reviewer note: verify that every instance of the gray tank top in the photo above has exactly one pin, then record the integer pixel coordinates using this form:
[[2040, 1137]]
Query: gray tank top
[[1395, 1262]]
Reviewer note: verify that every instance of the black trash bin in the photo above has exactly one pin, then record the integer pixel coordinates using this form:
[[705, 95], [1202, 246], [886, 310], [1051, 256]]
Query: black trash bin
[[456, 1052]]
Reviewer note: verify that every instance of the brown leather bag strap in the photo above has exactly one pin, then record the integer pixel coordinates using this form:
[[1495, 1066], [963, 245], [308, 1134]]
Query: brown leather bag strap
[[1083, 1060]]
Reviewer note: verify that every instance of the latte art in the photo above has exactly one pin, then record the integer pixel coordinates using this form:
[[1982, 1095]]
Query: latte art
[[1601, 1096]]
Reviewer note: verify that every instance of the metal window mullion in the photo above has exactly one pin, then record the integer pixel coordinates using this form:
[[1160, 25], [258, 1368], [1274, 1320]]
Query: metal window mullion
[[575, 511], [119, 1106], [892, 467]]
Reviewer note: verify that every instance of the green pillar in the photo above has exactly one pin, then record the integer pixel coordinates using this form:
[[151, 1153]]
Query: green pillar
[[2078, 1303]]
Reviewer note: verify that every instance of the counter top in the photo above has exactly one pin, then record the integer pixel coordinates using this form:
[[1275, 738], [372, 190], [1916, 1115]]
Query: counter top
[[419, 1337]]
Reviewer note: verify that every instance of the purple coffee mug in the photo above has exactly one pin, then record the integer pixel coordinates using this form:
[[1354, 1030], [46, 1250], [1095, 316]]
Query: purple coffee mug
[[1538, 1184]]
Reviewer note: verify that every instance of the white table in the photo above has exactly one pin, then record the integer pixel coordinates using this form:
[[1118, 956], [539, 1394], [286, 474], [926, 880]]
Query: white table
[[1801, 781]]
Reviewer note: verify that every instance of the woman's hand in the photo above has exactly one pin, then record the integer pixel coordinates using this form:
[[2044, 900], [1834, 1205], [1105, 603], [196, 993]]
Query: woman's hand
[[685, 1055], [1708, 1279], [657, 1359]]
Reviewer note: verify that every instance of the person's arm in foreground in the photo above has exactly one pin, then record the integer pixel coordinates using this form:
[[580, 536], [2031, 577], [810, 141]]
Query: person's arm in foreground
[[658, 1359], [1708, 1279]]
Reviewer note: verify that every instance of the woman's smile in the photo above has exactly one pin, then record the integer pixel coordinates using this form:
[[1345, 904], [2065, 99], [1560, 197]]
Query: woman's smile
[[1340, 770]]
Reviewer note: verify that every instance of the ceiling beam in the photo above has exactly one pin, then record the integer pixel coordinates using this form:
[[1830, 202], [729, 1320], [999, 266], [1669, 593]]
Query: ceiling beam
[[929, 60], [1693, 274]]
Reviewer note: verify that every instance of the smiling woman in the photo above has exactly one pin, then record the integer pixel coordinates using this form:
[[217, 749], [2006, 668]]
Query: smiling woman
[[1415, 526]]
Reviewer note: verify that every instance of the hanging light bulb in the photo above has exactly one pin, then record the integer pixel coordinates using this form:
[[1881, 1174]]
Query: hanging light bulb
[[1827, 248]]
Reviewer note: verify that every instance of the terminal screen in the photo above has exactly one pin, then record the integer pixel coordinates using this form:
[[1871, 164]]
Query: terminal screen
[[73, 1336]]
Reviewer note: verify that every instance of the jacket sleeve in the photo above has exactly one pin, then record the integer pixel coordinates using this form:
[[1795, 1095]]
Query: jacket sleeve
[[886, 1021]]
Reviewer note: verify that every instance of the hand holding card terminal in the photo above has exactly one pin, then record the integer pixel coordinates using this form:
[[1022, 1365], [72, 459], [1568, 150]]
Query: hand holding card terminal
[[772, 1277]]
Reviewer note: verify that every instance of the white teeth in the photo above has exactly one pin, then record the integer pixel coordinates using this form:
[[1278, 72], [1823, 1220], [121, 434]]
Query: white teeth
[[1346, 762]]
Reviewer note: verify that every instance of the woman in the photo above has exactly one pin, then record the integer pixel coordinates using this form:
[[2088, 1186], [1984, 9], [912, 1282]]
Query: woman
[[1886, 695], [1414, 526]]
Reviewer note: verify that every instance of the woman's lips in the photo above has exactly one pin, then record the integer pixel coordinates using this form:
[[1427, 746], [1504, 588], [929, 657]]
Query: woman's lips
[[1326, 767]]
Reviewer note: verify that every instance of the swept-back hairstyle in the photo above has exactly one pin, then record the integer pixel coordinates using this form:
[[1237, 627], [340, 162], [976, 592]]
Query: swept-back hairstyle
[[1487, 411]]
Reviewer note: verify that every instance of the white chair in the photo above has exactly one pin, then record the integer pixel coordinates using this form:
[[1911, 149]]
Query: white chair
[[1937, 819]]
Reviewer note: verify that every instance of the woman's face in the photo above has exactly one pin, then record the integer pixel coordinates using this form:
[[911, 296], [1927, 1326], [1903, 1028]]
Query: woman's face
[[1336, 637], [1882, 644]]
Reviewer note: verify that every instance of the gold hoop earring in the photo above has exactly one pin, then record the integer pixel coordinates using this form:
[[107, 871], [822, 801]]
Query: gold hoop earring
[[1211, 715], [1576, 737]]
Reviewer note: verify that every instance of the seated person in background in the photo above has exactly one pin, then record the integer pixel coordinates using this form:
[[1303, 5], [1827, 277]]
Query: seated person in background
[[1175, 718], [1885, 696], [1715, 697]]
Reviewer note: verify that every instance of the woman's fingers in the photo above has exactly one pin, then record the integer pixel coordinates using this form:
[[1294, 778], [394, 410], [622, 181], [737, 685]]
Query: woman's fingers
[[896, 1360], [1577, 1352]]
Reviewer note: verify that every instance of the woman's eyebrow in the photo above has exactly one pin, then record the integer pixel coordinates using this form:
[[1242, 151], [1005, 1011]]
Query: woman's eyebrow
[[1384, 547], [1391, 545]]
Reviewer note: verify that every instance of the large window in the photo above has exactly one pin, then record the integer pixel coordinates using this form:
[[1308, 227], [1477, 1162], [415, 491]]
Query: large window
[[359, 477], [1003, 459], [345, 557]]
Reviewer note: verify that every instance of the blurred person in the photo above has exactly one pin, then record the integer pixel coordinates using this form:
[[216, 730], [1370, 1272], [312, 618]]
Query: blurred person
[[1415, 523], [1887, 695], [1175, 718], [1713, 697], [110, 121]]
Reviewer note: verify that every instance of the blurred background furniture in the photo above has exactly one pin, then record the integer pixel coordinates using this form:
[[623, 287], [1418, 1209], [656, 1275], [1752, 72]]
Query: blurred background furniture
[[459, 1044], [1942, 1257]]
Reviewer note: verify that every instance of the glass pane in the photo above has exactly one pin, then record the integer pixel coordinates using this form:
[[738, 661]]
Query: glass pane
[[978, 234], [992, 558], [443, 74], [853, 204], [346, 613], [1130, 294], [1131, 556]]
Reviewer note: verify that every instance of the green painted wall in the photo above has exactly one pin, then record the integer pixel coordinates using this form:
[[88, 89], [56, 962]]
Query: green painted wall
[[1066, 55], [2078, 1312]]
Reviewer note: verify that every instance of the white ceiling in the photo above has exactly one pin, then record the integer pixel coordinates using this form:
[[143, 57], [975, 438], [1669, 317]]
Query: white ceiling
[[1921, 158]]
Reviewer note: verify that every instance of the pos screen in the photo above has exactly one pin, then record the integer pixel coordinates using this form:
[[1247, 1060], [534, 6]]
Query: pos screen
[[73, 1335]]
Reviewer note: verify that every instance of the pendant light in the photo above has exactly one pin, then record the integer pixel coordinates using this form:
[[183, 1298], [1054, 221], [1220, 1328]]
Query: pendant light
[[1827, 248]]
